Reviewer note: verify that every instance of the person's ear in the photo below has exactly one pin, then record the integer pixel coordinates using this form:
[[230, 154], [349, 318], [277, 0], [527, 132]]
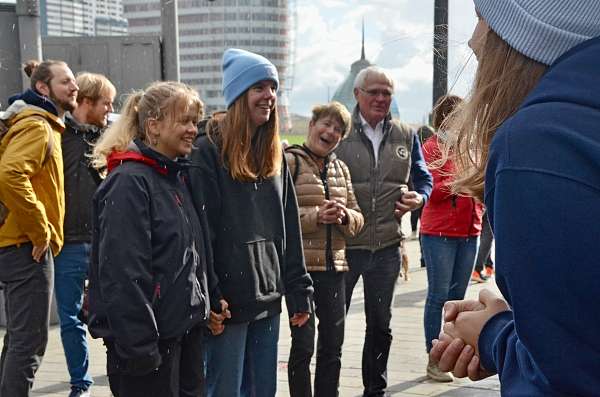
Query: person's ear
[[42, 88]]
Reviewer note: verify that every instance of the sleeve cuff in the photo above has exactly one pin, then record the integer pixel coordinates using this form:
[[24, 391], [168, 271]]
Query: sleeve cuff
[[299, 304], [487, 339]]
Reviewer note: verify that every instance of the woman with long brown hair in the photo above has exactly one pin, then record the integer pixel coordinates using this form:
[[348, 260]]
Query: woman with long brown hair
[[528, 144], [241, 180]]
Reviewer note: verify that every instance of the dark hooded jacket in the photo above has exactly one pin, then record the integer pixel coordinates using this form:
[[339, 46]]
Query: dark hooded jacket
[[255, 234], [81, 180], [149, 255]]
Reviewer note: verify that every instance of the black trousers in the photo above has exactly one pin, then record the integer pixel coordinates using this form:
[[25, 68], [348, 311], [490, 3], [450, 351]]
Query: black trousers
[[379, 271], [330, 309], [27, 293], [484, 257], [181, 373]]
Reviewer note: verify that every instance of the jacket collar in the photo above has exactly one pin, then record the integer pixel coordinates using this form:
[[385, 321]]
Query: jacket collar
[[31, 97], [357, 121], [139, 152]]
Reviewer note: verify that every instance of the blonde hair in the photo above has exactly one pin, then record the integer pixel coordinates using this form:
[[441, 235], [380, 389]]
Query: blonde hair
[[160, 101], [504, 78], [92, 86], [248, 153], [333, 109]]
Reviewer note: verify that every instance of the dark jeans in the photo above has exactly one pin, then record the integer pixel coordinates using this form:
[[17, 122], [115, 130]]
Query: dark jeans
[[379, 271], [414, 218], [181, 373], [28, 293], [484, 255], [330, 308]]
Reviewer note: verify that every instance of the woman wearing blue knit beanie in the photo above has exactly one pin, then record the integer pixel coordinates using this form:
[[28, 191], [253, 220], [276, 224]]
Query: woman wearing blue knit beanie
[[528, 144], [240, 179]]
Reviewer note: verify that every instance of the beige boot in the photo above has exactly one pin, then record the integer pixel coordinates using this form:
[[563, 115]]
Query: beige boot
[[436, 374]]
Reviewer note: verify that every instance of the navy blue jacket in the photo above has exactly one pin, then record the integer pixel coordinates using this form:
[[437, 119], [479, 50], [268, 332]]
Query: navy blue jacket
[[543, 196]]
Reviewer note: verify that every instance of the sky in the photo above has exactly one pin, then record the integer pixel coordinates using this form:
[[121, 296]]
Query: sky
[[398, 37]]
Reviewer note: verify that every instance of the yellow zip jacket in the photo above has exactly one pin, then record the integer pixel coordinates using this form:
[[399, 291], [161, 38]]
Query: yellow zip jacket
[[32, 190]]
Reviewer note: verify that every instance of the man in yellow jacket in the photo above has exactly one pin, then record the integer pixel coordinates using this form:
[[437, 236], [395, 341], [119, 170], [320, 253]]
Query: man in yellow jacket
[[31, 188]]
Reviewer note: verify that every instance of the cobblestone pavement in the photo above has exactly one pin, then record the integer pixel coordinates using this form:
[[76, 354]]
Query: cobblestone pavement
[[406, 369]]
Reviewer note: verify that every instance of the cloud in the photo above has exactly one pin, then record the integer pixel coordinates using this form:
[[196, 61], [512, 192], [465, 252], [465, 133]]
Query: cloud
[[398, 38]]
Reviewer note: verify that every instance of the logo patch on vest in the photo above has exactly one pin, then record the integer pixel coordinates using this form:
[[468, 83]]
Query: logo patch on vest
[[402, 152]]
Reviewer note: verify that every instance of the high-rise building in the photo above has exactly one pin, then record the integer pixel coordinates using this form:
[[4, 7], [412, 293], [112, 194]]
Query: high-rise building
[[82, 18], [207, 28]]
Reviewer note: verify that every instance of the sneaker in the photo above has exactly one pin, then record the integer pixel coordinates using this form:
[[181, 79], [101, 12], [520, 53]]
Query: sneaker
[[478, 277], [434, 373], [78, 392], [488, 271]]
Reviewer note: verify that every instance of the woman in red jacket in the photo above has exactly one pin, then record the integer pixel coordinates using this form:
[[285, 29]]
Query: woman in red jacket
[[450, 229]]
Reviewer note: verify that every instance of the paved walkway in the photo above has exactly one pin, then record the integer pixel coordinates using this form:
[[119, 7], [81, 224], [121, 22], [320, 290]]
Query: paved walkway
[[406, 368]]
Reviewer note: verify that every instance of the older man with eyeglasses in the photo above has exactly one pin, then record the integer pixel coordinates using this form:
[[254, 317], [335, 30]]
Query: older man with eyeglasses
[[381, 153]]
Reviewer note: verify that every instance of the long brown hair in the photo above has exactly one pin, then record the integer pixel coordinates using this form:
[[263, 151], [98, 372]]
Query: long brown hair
[[248, 153], [504, 78]]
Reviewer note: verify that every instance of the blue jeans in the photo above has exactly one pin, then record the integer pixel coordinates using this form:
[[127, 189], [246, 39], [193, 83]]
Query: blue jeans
[[450, 262], [242, 361], [70, 271], [379, 271]]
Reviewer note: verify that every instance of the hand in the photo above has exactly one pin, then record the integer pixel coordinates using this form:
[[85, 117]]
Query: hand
[[409, 201], [453, 355], [342, 213], [468, 324], [39, 251], [215, 321], [299, 319], [328, 213]]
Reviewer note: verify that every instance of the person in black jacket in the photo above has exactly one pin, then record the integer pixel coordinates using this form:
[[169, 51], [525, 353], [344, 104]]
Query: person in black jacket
[[83, 127], [255, 231], [150, 255]]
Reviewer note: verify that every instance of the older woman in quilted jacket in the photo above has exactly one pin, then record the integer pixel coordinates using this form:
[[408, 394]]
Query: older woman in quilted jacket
[[328, 213]]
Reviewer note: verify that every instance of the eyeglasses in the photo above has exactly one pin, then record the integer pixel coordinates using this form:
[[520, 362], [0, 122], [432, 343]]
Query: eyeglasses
[[375, 93]]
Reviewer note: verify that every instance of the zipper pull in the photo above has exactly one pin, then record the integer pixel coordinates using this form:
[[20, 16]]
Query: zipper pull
[[156, 294]]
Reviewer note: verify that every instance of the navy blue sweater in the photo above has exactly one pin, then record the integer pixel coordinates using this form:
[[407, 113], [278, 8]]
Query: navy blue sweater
[[543, 196]]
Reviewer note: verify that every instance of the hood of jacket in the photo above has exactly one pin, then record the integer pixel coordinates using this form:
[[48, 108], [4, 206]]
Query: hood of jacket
[[573, 78], [139, 152], [31, 97]]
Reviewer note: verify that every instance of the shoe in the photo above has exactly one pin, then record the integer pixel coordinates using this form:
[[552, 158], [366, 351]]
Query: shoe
[[437, 375], [488, 271], [79, 392], [478, 277]]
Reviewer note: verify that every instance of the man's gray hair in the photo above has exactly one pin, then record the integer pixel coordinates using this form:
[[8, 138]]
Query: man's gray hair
[[373, 73]]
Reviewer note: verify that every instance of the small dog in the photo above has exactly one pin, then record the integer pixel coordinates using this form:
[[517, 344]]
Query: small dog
[[404, 256]]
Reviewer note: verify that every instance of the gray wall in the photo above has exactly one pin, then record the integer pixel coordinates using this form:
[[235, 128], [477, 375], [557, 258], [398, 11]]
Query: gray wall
[[129, 62], [10, 72]]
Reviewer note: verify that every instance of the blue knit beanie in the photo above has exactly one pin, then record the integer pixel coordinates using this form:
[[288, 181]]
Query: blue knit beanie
[[241, 70], [542, 30]]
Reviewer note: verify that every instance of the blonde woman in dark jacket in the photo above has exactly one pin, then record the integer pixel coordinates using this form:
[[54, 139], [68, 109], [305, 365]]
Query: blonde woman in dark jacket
[[328, 213]]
